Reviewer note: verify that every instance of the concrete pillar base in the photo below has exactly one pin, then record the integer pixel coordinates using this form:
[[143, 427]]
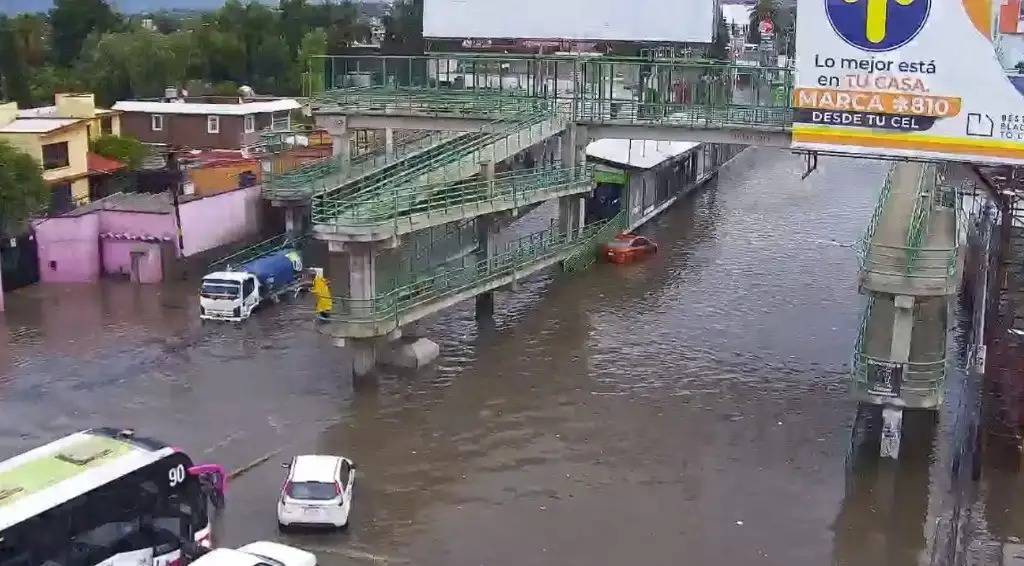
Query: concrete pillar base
[[892, 432], [484, 306], [364, 356], [414, 355]]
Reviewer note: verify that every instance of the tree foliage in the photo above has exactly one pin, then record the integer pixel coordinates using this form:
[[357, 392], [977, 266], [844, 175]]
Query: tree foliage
[[22, 190], [86, 45], [127, 150], [14, 77], [71, 21]]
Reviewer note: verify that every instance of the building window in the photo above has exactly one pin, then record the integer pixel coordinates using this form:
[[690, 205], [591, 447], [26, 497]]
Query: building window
[[213, 124], [55, 155], [106, 125], [157, 122], [250, 124]]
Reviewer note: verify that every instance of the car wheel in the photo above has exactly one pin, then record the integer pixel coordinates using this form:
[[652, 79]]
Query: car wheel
[[281, 527]]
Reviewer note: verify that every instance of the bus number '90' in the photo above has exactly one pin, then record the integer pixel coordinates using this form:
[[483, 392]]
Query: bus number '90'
[[176, 475]]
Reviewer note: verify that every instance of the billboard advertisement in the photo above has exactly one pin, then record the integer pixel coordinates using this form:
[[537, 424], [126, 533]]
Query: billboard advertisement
[[913, 78], [690, 21]]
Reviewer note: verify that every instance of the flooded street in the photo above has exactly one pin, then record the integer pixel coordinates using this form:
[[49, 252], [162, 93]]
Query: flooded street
[[690, 409]]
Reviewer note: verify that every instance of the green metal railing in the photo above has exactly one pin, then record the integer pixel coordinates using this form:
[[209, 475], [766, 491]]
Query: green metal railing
[[418, 290], [911, 259], [428, 102], [586, 255], [327, 173], [496, 142], [518, 188], [585, 88], [876, 214], [917, 378], [258, 250], [924, 200]]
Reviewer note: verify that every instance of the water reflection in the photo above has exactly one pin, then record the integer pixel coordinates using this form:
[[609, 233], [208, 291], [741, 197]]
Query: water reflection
[[883, 517]]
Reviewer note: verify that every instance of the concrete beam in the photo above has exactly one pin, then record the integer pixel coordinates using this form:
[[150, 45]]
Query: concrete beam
[[751, 136], [383, 122]]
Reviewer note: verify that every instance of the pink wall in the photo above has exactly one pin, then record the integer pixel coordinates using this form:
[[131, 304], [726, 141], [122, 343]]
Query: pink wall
[[69, 249], [214, 221], [139, 223], [117, 259]]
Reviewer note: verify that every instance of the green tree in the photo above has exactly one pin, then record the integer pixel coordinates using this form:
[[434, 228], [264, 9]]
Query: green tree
[[295, 23], [22, 190], [311, 66], [14, 76], [345, 27], [272, 68], [139, 63], [129, 151], [720, 48], [73, 20], [403, 23]]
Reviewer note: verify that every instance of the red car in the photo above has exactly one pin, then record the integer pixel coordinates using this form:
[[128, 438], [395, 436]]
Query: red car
[[627, 248]]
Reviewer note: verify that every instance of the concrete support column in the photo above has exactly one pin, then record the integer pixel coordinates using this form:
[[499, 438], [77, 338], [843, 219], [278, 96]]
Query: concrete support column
[[486, 227], [899, 352], [389, 142], [343, 149], [567, 143], [902, 329], [487, 174], [294, 219], [354, 263], [571, 211], [362, 274], [1, 291]]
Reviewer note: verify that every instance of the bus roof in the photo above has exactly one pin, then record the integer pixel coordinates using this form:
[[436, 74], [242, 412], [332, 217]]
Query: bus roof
[[62, 470]]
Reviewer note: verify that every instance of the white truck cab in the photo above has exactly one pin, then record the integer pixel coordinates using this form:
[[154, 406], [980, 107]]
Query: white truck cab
[[228, 295]]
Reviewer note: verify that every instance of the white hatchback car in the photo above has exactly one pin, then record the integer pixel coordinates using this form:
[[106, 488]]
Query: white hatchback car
[[257, 554], [318, 492]]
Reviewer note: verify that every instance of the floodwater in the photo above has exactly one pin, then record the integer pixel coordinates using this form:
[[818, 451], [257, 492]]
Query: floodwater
[[691, 409]]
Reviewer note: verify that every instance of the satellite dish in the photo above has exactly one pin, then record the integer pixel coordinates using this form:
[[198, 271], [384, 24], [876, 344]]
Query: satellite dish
[[246, 91]]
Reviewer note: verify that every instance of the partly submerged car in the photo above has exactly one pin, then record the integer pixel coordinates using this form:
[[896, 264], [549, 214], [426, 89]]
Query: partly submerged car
[[627, 248]]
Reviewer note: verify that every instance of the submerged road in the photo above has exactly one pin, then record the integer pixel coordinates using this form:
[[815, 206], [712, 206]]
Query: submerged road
[[690, 409]]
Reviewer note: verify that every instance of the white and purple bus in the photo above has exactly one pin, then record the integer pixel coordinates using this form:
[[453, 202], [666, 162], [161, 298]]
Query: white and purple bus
[[105, 497]]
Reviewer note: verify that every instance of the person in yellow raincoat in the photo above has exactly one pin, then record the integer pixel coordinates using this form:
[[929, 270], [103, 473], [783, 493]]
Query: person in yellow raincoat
[[322, 291]]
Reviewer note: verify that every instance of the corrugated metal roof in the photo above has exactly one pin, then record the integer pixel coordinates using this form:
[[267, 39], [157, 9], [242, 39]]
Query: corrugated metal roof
[[241, 109], [641, 154]]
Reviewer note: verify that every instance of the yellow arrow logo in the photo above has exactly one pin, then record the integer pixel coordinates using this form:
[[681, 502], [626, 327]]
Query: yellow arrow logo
[[878, 14]]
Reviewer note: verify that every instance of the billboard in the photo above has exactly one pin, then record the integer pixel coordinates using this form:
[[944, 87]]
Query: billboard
[[914, 78], [691, 21]]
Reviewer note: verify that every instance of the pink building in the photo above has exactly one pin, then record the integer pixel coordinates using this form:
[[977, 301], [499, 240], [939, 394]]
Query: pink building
[[136, 235]]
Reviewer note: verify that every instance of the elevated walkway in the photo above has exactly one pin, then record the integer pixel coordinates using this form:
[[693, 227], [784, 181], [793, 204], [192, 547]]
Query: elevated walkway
[[668, 99], [433, 184], [910, 266], [912, 243], [397, 210], [916, 384], [421, 294], [301, 183]]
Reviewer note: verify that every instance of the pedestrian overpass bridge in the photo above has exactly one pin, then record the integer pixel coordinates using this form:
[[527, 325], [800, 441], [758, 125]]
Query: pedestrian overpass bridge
[[532, 117]]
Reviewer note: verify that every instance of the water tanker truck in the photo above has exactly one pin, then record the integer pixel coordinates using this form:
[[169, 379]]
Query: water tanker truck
[[233, 295]]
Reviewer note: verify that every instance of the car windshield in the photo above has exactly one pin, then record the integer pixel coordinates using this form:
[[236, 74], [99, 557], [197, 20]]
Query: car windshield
[[219, 289], [312, 490]]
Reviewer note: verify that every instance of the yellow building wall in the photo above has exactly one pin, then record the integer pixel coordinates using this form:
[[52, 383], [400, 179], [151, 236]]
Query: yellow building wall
[[78, 148], [26, 143], [80, 190]]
